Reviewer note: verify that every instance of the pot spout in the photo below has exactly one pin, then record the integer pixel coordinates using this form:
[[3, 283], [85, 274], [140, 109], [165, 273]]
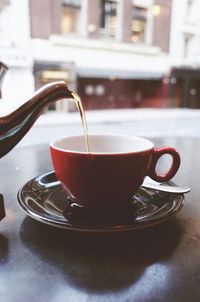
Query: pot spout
[[15, 125]]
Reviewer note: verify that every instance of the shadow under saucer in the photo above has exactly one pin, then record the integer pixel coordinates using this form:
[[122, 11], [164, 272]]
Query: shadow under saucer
[[103, 262]]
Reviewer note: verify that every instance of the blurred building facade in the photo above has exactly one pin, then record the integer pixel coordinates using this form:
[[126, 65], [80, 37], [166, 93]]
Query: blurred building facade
[[15, 52], [115, 54], [185, 53]]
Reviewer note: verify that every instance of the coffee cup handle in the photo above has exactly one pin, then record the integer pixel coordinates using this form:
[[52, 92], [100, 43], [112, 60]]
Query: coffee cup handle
[[157, 153]]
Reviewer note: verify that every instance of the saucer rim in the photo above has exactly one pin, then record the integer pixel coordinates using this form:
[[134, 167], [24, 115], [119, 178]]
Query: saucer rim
[[178, 200]]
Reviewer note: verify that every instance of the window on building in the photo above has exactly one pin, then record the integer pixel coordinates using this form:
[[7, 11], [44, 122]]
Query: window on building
[[70, 19], [109, 14], [192, 12], [139, 24], [188, 46]]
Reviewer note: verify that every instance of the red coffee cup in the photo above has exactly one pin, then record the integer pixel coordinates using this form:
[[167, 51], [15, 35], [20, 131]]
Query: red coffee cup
[[114, 170]]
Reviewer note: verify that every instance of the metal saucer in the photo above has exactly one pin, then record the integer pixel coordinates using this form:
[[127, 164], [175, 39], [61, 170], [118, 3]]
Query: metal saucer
[[44, 199]]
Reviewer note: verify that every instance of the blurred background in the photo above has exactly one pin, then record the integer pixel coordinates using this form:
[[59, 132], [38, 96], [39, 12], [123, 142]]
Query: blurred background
[[129, 60]]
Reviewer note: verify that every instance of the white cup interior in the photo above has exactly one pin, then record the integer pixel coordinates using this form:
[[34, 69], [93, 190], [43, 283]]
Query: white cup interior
[[102, 144]]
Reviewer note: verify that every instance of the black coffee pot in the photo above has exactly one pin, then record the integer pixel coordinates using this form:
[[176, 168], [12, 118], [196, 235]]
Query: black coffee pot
[[15, 125]]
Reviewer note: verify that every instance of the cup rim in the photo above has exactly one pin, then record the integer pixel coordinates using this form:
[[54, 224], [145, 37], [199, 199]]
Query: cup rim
[[53, 143]]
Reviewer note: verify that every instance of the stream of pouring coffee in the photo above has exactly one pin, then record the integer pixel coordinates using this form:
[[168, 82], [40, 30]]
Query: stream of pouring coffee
[[79, 106]]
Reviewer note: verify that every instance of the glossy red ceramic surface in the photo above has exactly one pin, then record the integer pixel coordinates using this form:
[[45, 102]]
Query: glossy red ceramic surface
[[100, 179]]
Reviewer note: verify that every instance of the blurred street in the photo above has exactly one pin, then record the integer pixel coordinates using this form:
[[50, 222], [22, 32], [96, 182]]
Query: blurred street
[[142, 122]]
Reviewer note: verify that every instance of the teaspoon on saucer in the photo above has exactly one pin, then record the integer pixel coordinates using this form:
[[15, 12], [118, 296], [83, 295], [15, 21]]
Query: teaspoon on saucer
[[150, 184]]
